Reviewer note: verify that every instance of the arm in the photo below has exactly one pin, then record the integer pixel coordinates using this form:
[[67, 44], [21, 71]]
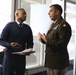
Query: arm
[[30, 39], [42, 38], [5, 36], [4, 39]]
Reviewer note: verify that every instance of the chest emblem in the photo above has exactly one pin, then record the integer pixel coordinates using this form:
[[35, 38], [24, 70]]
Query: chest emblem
[[55, 27], [64, 25]]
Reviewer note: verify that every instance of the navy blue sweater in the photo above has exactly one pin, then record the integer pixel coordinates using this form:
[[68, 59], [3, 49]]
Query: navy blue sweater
[[13, 33]]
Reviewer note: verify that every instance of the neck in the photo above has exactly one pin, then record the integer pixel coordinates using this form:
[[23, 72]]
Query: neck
[[57, 19], [20, 21]]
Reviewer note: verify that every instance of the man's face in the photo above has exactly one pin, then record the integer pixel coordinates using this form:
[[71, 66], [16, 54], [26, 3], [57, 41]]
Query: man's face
[[21, 15], [53, 13]]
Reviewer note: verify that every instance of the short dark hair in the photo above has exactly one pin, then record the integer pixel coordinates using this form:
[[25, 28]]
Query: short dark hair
[[57, 7]]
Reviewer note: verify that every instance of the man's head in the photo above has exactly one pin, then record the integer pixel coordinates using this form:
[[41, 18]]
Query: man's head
[[20, 15], [55, 12]]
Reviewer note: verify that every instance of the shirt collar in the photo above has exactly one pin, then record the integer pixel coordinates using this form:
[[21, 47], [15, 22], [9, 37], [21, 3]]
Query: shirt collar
[[58, 21], [18, 22]]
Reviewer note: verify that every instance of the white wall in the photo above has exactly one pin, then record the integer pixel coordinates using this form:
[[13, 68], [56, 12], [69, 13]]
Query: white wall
[[39, 20]]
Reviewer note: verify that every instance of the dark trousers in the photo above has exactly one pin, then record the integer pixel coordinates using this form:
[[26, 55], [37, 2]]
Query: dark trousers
[[14, 69]]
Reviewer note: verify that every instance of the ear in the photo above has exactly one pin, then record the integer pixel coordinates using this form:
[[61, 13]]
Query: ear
[[57, 12], [16, 14]]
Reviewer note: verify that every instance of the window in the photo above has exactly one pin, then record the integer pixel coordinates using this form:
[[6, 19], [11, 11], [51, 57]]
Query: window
[[5, 13], [26, 4], [70, 17], [36, 58], [70, 14]]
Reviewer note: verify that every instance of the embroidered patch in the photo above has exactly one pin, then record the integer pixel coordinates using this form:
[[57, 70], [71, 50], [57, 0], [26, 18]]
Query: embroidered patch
[[64, 25], [55, 27]]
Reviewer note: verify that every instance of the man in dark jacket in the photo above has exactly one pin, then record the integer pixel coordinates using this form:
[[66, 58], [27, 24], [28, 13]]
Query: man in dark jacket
[[56, 40], [16, 36]]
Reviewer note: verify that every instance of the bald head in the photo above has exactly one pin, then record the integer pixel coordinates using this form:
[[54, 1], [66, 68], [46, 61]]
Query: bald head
[[19, 10], [20, 15]]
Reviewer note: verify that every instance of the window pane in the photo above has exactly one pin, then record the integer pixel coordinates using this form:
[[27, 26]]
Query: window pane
[[5, 13], [26, 5], [70, 17], [36, 58]]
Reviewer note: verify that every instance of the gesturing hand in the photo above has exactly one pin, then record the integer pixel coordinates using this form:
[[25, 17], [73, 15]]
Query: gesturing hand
[[42, 37]]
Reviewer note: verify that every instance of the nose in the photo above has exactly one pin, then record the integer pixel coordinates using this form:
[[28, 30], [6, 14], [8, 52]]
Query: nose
[[48, 13]]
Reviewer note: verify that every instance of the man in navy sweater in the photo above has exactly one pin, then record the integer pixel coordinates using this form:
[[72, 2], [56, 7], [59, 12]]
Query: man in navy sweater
[[16, 36]]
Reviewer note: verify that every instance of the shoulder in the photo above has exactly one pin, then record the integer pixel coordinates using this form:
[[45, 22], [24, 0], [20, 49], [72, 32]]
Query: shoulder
[[64, 24], [10, 23], [27, 26]]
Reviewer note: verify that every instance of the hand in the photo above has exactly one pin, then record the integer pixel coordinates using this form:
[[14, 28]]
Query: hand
[[28, 53], [42, 37], [2, 48], [16, 45]]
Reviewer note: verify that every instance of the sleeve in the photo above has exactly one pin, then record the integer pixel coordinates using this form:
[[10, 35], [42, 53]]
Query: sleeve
[[62, 38], [42, 41], [30, 39], [5, 36]]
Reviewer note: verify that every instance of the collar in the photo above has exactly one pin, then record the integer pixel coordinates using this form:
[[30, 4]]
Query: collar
[[58, 21], [18, 22]]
